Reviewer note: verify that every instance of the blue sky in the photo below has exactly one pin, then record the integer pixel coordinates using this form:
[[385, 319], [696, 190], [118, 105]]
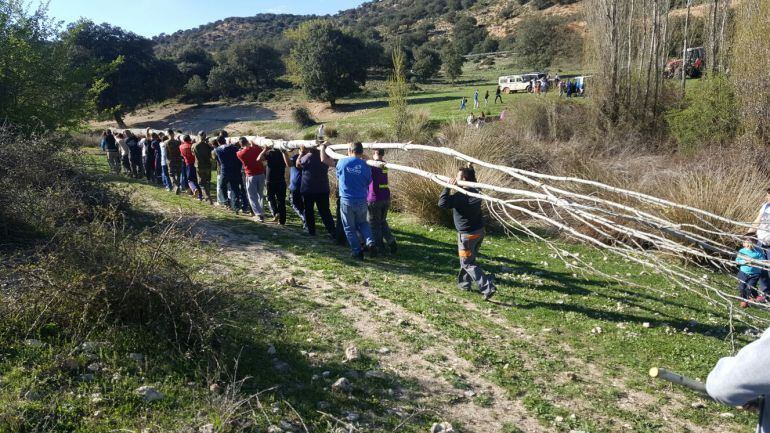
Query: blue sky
[[152, 17]]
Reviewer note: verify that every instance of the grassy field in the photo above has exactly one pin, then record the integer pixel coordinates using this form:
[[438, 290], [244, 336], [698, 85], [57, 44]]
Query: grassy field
[[532, 361], [439, 100]]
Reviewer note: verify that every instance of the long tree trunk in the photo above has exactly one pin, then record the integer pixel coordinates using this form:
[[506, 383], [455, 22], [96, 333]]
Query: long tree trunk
[[684, 49]]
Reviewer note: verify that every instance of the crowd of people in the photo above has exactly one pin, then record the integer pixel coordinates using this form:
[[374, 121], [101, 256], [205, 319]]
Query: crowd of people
[[249, 174]]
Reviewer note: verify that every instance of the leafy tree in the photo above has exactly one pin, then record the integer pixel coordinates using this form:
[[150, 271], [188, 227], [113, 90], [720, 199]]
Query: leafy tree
[[126, 70], [196, 90], [37, 86], [224, 80], [195, 61], [540, 40], [466, 33], [453, 62], [427, 63], [325, 61], [247, 67]]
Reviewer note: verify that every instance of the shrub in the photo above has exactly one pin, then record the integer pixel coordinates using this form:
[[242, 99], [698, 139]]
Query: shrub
[[378, 134], [196, 90], [302, 117], [541, 40], [710, 115]]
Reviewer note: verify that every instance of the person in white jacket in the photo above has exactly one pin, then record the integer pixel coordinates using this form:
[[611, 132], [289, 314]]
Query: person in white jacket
[[744, 379]]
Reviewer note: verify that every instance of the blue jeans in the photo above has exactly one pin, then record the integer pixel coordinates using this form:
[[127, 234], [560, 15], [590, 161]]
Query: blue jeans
[[165, 177], [354, 221], [221, 190], [192, 180]]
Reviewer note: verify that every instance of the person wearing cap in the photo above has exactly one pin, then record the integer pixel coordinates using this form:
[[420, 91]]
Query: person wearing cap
[[254, 169], [173, 161], [188, 156]]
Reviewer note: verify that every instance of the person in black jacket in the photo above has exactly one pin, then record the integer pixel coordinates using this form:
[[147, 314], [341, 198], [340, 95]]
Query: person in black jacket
[[466, 212]]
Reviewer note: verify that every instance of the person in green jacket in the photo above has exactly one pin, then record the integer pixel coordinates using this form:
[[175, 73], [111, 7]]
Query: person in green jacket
[[174, 160]]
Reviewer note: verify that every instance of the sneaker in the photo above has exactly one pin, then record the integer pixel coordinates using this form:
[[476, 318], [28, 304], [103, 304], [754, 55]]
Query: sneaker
[[744, 304], [489, 293], [393, 247], [261, 218], [358, 256], [465, 288]]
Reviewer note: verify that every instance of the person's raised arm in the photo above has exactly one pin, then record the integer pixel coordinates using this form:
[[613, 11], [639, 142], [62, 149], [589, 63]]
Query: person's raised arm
[[447, 200], [263, 154], [286, 158], [326, 159]]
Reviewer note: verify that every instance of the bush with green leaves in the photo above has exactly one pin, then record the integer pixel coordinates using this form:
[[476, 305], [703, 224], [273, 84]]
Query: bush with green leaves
[[196, 90], [709, 115], [302, 117], [427, 63]]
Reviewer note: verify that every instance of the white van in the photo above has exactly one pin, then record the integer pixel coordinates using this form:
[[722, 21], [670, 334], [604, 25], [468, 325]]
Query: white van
[[513, 83]]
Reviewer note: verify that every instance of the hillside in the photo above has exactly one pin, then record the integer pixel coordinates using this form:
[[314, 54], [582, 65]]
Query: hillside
[[220, 34], [389, 17]]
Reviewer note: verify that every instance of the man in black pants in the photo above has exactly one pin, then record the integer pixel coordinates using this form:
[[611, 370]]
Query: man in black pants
[[466, 212], [315, 190], [276, 183]]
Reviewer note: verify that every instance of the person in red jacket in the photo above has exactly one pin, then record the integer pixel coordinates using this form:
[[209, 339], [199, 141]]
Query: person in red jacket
[[189, 166], [254, 168]]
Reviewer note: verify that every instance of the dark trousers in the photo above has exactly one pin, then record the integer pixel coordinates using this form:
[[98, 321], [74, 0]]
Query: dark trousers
[[498, 97], [233, 185], [149, 169], [747, 285], [276, 198], [125, 161], [136, 165], [321, 201], [468, 246], [298, 204]]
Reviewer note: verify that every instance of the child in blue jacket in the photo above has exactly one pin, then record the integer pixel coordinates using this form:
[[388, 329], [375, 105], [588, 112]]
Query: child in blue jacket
[[749, 274]]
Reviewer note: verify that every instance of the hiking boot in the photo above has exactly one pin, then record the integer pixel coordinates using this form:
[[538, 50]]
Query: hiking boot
[[276, 219], [358, 256], [489, 293], [393, 247]]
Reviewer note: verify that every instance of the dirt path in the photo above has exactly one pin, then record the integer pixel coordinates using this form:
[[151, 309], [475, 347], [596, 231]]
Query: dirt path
[[380, 320]]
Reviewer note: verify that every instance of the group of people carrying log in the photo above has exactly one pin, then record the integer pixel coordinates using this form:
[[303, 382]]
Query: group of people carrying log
[[248, 174]]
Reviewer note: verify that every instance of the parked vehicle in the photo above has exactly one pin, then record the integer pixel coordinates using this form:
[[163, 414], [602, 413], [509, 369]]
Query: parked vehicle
[[694, 59], [518, 83]]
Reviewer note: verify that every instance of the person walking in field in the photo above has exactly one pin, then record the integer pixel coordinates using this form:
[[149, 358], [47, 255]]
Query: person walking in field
[[378, 201], [134, 154], [110, 145], [295, 182], [353, 178], [254, 169], [476, 99], [275, 176], [230, 168], [466, 212], [173, 161], [486, 98], [125, 153], [203, 162], [498, 95], [148, 157], [188, 156], [463, 101], [315, 190]]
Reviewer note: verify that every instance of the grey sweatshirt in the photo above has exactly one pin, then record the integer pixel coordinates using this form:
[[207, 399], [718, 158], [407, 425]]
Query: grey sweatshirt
[[737, 380]]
